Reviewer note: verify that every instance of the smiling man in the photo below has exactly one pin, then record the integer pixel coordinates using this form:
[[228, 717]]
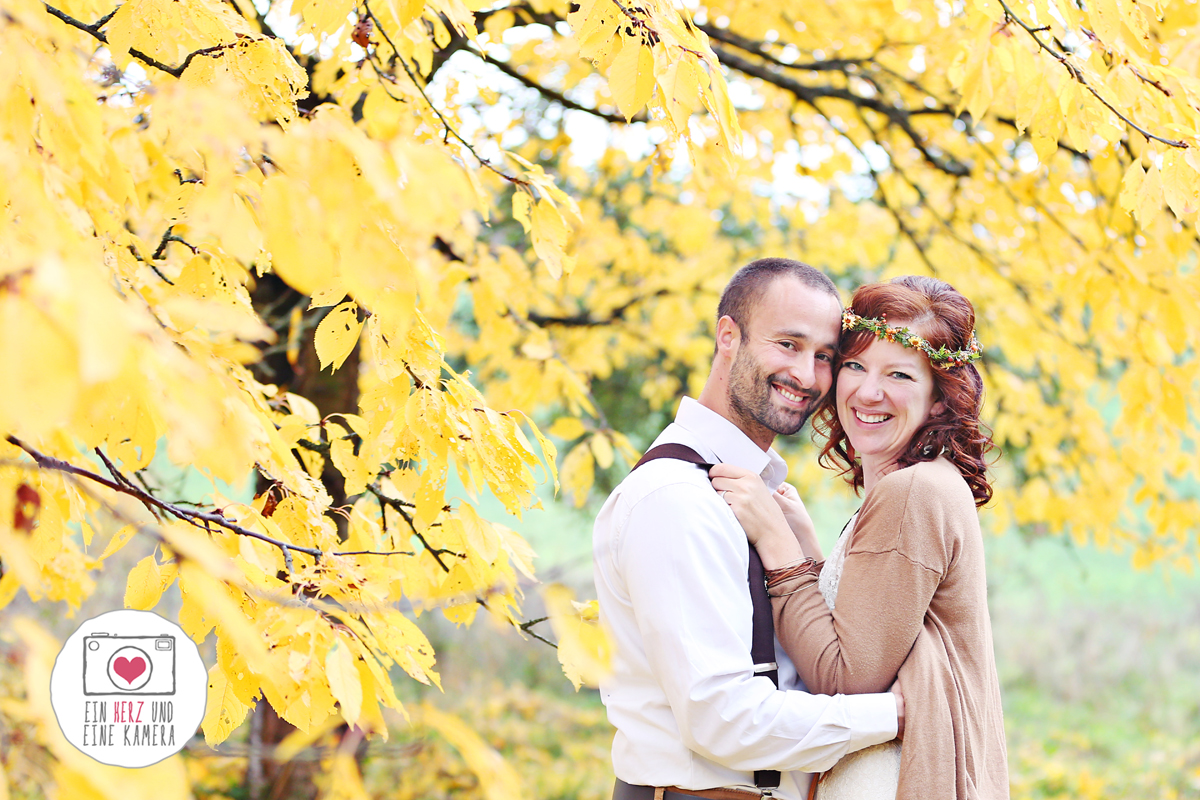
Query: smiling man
[[695, 716]]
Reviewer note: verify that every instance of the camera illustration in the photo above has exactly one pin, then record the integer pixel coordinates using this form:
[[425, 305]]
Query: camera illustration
[[141, 665]]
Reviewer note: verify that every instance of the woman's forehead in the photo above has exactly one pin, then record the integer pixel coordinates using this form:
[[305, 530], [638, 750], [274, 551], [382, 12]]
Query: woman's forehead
[[894, 354]]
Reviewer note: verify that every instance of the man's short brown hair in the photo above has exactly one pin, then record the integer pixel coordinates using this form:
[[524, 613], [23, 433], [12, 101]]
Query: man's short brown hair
[[748, 284]]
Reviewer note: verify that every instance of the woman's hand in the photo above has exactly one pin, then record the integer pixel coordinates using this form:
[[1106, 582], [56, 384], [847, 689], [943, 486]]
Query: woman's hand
[[798, 519], [758, 512]]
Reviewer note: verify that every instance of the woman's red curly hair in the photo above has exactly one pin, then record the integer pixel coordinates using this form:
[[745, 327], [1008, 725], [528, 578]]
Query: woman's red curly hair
[[937, 311]]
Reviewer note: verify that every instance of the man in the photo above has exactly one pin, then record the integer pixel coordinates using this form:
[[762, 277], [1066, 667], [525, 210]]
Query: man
[[671, 566]]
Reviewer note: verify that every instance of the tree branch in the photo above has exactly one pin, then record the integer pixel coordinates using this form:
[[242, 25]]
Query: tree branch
[[94, 31], [412, 76], [201, 519], [1077, 76], [900, 117], [528, 625], [550, 94]]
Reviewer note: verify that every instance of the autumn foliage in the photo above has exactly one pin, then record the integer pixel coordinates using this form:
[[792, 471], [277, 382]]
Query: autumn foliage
[[350, 247]]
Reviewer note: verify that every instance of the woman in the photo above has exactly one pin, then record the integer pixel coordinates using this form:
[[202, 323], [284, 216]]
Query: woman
[[904, 594]]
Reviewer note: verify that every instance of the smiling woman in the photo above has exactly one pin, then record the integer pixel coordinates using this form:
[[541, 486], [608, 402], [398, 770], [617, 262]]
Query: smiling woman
[[935, 347]]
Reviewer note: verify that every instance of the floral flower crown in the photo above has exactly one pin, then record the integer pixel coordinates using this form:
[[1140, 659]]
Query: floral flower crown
[[939, 357]]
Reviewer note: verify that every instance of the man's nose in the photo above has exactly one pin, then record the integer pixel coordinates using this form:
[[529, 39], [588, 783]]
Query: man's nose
[[804, 370]]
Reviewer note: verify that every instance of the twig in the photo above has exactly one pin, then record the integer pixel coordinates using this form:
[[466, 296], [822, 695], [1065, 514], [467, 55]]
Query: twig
[[526, 628], [401, 507], [900, 117], [551, 94], [201, 519], [94, 31], [167, 238], [112, 470], [74, 474], [1077, 75], [450, 131]]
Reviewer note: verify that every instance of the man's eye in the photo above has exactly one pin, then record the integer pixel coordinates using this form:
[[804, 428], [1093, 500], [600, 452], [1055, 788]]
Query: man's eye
[[824, 357], [788, 345]]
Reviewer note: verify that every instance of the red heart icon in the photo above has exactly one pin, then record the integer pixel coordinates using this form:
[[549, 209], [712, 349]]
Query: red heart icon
[[129, 669]]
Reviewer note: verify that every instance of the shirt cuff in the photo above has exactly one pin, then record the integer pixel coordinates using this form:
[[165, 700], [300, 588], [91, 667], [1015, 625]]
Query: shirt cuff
[[873, 719]]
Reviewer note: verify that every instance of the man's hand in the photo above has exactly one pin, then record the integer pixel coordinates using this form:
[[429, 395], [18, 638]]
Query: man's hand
[[899, 708]]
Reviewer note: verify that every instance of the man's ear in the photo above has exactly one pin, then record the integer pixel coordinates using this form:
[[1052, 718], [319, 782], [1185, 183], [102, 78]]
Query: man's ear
[[729, 335]]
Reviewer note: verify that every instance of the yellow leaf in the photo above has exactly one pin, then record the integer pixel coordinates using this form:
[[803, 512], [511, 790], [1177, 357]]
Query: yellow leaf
[[343, 681], [567, 428], [337, 335], [353, 468], [401, 639], [231, 621], [9, 586], [602, 449], [595, 23], [680, 82], [119, 540], [224, 712], [144, 586], [519, 551], [631, 76], [40, 364], [1181, 185], [1131, 184], [325, 16], [579, 473], [549, 451], [1149, 199], [584, 647], [522, 207], [430, 499], [550, 238]]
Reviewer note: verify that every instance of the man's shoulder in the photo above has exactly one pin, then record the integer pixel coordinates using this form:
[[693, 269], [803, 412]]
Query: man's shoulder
[[665, 472]]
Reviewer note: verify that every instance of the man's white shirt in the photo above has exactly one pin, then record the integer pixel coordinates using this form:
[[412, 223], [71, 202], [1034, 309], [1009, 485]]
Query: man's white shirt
[[670, 566]]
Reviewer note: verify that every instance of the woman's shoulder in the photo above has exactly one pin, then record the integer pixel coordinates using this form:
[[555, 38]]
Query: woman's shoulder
[[936, 482]]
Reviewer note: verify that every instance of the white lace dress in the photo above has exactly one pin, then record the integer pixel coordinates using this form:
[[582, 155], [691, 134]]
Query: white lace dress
[[872, 773]]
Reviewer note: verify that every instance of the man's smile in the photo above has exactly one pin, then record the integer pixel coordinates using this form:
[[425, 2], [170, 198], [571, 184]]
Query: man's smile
[[792, 396]]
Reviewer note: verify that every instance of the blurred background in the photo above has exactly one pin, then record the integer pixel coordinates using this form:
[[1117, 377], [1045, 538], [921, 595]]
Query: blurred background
[[1098, 665]]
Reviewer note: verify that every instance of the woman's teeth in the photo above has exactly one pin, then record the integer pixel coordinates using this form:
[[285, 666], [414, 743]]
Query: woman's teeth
[[872, 418]]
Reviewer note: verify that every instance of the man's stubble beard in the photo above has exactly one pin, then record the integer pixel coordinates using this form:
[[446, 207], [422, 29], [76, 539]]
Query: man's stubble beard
[[750, 399]]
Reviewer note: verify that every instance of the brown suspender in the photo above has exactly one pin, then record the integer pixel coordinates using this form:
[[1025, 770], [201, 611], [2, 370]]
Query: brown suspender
[[762, 640]]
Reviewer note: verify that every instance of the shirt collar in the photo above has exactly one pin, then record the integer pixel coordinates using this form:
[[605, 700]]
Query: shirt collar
[[729, 443]]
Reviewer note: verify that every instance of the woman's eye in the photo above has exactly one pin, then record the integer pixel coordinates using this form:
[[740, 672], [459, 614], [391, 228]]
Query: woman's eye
[[854, 365], [904, 376]]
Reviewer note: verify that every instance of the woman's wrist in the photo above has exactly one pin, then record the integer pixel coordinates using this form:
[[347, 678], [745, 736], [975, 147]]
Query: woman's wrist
[[796, 569], [777, 550]]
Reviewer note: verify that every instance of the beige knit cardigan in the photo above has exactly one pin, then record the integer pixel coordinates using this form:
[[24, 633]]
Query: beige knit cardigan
[[912, 600]]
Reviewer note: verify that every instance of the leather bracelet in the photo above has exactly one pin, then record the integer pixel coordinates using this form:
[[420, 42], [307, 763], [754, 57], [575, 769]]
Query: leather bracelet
[[805, 566]]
